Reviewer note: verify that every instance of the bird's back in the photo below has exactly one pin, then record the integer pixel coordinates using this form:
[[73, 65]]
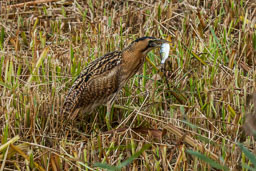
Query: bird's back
[[95, 85]]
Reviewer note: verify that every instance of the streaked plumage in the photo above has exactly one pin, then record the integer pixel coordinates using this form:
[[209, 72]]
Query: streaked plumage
[[102, 79]]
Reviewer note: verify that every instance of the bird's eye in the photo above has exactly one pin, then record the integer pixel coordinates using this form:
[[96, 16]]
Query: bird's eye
[[151, 43]]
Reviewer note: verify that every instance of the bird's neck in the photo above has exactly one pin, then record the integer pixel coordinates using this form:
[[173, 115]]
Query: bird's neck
[[132, 62]]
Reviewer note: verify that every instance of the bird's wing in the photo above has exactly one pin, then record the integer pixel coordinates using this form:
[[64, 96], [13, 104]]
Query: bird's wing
[[98, 80]]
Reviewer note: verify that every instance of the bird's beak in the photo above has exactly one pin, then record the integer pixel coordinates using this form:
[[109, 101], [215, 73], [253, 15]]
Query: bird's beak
[[158, 42]]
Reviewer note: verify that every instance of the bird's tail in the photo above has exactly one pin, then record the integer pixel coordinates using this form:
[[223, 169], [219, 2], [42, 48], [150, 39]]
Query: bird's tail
[[66, 112], [67, 109]]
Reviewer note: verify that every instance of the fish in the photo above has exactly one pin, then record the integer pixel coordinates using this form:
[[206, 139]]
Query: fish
[[164, 52]]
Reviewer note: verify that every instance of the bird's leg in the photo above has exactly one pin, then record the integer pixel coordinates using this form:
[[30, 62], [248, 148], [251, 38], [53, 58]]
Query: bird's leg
[[109, 107], [107, 117]]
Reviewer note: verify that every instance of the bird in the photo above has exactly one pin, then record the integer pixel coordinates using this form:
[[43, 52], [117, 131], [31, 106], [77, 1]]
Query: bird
[[102, 79]]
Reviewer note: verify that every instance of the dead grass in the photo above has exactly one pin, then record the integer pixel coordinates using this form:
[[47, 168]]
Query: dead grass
[[190, 119]]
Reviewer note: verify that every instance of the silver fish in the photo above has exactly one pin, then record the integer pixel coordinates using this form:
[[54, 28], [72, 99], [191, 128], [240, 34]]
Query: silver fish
[[164, 52]]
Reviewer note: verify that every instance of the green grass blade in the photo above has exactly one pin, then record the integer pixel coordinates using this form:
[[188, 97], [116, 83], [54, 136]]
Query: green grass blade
[[2, 38], [133, 157], [1, 66], [24, 38], [248, 154], [73, 64], [5, 85], [36, 22], [254, 41], [198, 58], [245, 166], [106, 166], [207, 160], [216, 38], [123, 164]]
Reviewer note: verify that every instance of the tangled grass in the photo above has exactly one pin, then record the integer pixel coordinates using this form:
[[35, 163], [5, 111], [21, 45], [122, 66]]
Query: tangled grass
[[189, 118]]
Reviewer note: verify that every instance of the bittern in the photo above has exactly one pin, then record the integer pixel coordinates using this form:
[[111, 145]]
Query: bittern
[[102, 79]]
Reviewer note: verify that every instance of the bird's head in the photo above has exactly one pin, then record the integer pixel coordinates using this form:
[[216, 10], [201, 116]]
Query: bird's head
[[146, 44]]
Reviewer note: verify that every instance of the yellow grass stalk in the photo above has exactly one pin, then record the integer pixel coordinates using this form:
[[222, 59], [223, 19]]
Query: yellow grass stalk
[[38, 64], [18, 150], [11, 141]]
